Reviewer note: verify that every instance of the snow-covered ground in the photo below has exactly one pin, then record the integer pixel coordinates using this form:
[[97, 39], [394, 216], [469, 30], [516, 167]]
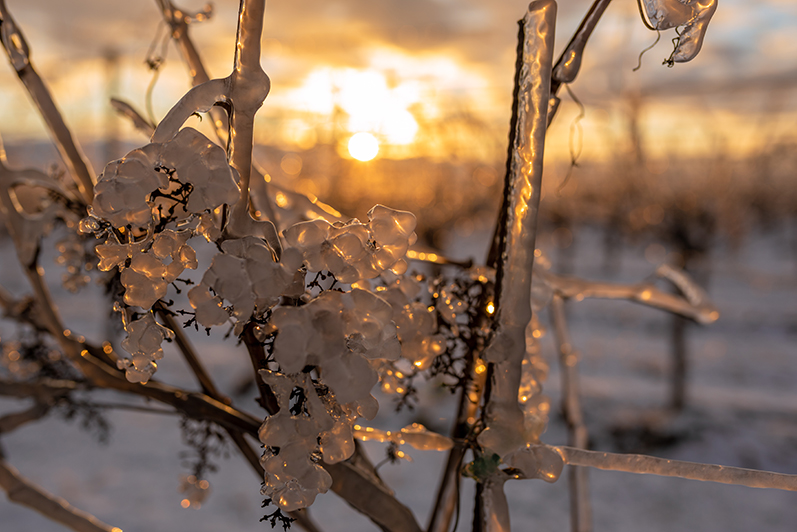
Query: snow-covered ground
[[741, 411]]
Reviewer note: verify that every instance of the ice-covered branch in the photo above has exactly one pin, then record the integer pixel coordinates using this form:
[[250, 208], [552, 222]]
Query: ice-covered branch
[[22, 491], [700, 310], [641, 464], [580, 510], [19, 54], [503, 419], [513, 278]]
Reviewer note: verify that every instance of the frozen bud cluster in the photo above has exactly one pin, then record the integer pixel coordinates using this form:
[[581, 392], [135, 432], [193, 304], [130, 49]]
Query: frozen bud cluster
[[416, 324], [143, 342], [124, 190], [246, 275], [72, 256], [292, 477], [450, 306], [148, 267], [353, 250], [338, 333]]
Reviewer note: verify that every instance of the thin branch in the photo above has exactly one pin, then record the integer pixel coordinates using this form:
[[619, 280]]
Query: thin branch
[[22, 491], [189, 353], [11, 422], [642, 464], [644, 293], [580, 510], [19, 54]]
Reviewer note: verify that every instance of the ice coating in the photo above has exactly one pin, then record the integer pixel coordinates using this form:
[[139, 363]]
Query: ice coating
[[416, 327], [338, 333], [143, 342], [292, 478], [246, 275], [414, 435], [123, 191], [569, 63], [504, 419], [352, 250], [641, 464], [148, 266], [692, 14]]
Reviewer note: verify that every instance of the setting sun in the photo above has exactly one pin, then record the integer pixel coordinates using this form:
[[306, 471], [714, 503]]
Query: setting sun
[[363, 146]]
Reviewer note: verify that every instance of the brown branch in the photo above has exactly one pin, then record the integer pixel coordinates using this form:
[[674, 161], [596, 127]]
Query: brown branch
[[11, 422], [19, 54], [22, 491], [642, 464]]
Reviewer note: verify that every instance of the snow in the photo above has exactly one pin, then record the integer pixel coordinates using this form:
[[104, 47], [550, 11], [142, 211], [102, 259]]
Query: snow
[[741, 410]]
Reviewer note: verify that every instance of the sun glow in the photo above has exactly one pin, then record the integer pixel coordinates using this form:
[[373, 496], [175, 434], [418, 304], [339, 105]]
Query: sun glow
[[363, 146]]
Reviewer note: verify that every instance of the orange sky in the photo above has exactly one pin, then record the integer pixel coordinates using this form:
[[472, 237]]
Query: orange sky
[[424, 77]]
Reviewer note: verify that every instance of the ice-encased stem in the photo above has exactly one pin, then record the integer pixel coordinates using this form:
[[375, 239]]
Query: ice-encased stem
[[513, 277], [503, 418], [18, 52], [642, 464]]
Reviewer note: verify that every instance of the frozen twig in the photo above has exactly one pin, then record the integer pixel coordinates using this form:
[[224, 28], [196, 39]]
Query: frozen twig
[[19, 54], [139, 122], [704, 312], [641, 464], [371, 498], [580, 510], [243, 91], [22, 491], [569, 63]]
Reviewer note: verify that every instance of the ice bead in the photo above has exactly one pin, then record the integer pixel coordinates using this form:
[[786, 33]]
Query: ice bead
[[337, 444], [419, 437], [537, 461]]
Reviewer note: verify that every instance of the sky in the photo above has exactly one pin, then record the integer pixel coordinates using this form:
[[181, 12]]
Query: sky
[[427, 78]]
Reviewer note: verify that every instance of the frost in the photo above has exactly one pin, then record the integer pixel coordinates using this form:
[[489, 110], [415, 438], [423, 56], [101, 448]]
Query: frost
[[123, 189]]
